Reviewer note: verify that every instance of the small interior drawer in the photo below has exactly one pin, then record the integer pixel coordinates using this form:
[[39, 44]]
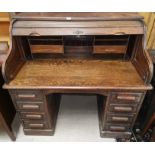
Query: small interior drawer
[[105, 49], [42, 44], [117, 118], [126, 97], [46, 49], [111, 44], [28, 95], [118, 127], [122, 108], [30, 106], [35, 125], [32, 116]]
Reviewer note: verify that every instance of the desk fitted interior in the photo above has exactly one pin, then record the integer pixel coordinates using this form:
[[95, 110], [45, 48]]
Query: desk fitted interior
[[77, 73]]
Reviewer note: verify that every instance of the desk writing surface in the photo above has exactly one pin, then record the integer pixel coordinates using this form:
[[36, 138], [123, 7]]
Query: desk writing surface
[[76, 73]]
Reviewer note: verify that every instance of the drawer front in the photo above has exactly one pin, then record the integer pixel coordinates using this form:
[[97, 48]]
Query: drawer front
[[109, 49], [50, 44], [123, 108], [35, 125], [47, 49], [32, 116], [120, 118], [30, 106], [28, 95], [126, 97], [117, 127]]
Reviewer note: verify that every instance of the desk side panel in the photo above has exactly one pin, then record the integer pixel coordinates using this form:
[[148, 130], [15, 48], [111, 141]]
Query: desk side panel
[[142, 61], [15, 59]]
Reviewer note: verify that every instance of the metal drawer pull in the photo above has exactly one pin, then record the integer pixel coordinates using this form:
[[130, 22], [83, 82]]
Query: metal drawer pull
[[33, 116], [123, 119], [26, 95], [117, 128], [122, 97], [123, 109], [120, 33], [36, 125], [34, 34], [30, 106]]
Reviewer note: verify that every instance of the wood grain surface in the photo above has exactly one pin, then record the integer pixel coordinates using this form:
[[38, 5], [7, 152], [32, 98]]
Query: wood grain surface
[[77, 15], [77, 72]]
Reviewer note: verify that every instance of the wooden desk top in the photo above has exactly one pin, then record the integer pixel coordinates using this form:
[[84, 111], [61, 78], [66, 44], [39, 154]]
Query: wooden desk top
[[76, 16], [74, 73]]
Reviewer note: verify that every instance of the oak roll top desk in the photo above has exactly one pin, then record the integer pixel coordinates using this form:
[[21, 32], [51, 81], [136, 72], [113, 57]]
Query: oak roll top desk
[[100, 54]]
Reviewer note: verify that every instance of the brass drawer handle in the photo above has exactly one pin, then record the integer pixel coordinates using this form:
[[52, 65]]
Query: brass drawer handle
[[122, 119], [117, 128], [122, 97], [36, 125], [123, 109], [26, 95], [30, 106], [120, 33], [34, 34], [33, 116]]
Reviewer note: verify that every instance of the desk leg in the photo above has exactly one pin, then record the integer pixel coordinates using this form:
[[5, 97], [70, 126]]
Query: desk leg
[[101, 107]]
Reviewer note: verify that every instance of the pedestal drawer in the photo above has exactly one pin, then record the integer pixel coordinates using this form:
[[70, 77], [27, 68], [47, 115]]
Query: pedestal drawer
[[32, 116], [117, 118], [123, 108], [28, 95], [30, 106], [35, 125], [117, 127], [126, 97]]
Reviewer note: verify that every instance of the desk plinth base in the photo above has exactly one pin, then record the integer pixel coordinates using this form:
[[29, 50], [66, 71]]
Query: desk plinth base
[[109, 134], [48, 132]]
